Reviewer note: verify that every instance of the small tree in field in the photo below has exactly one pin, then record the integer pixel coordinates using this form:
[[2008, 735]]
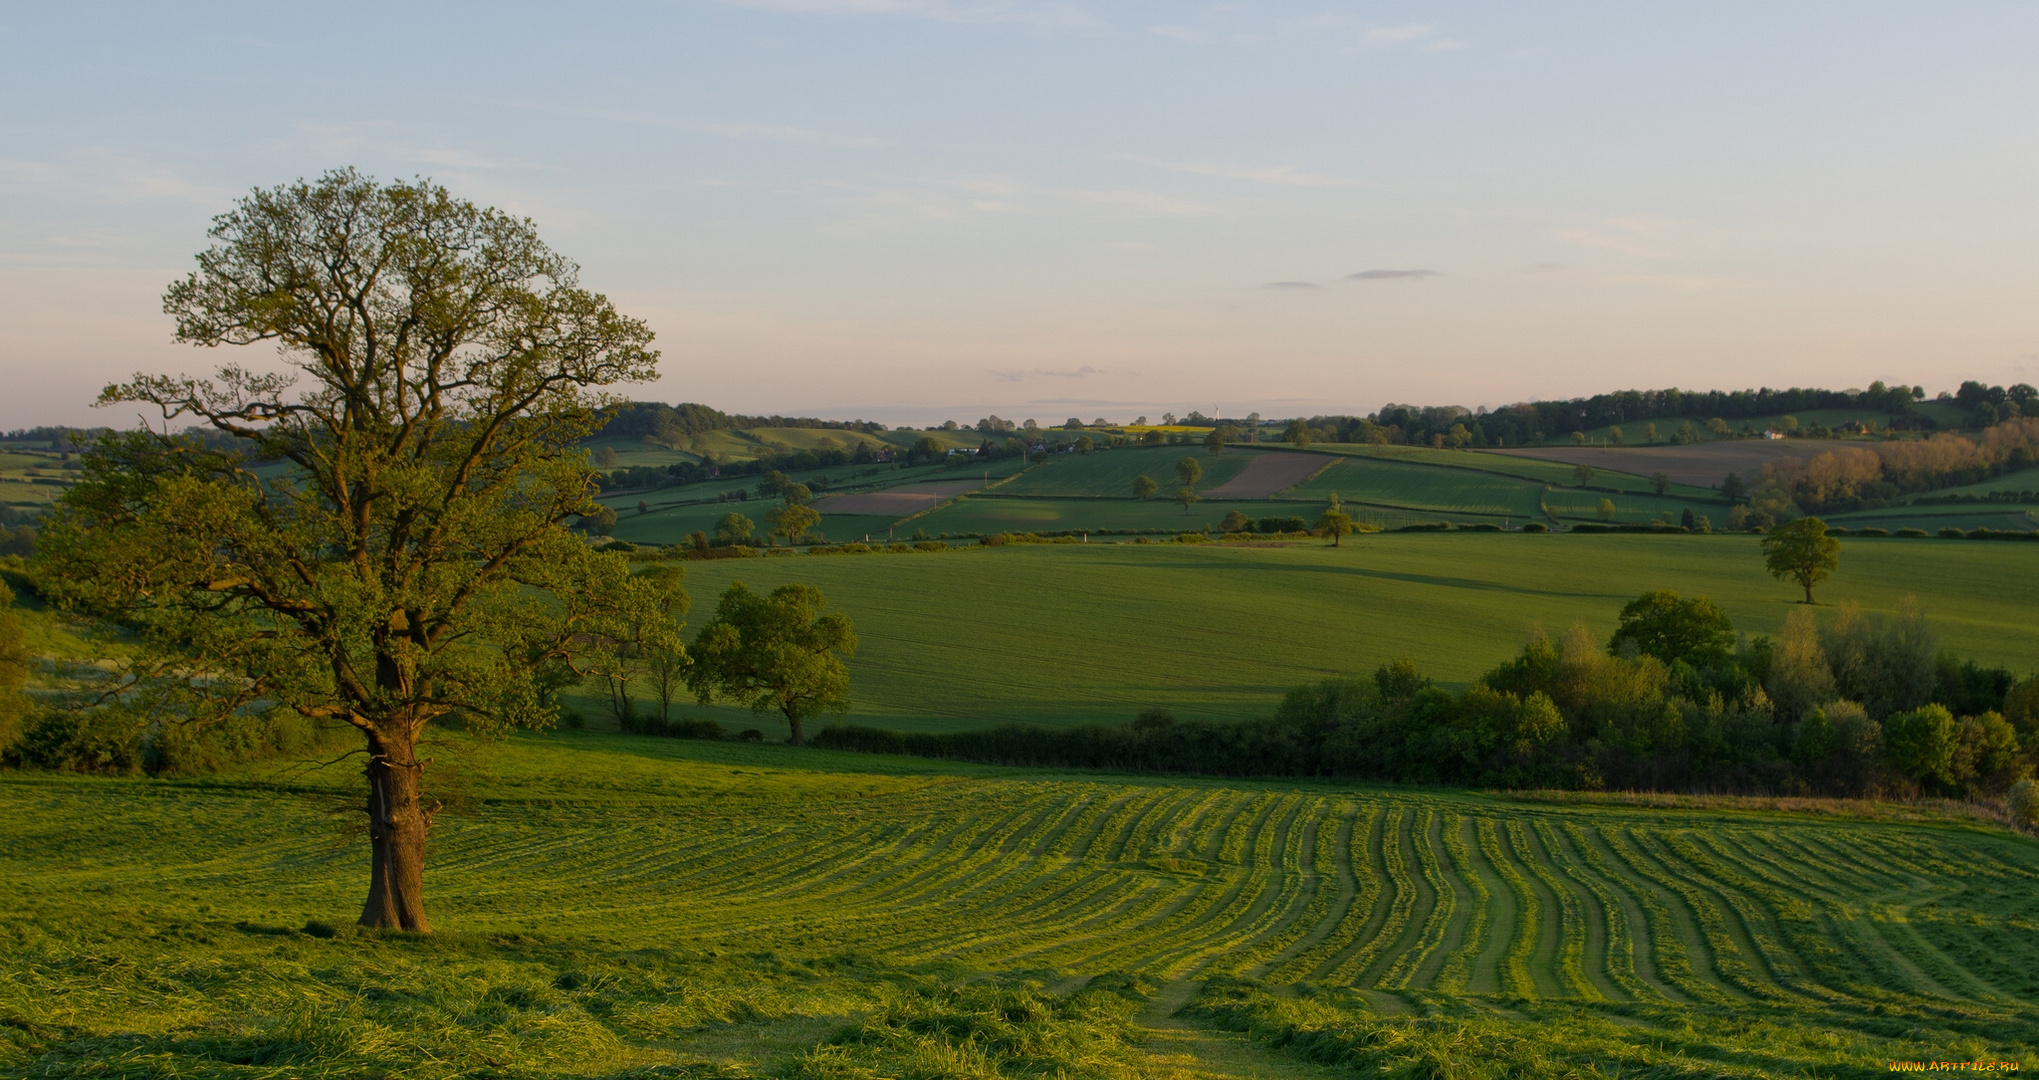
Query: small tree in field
[[1334, 523], [410, 562], [1660, 482], [775, 652], [1802, 551], [1187, 496], [1189, 471], [1298, 434], [1215, 441], [1583, 474], [1144, 487]]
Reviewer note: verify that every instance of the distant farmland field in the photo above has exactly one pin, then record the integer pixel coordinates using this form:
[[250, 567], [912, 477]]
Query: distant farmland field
[[613, 906], [1424, 487], [1702, 465], [1268, 475], [1094, 633], [1110, 474]]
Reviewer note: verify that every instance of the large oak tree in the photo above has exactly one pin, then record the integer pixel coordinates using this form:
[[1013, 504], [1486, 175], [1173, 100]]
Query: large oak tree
[[375, 533]]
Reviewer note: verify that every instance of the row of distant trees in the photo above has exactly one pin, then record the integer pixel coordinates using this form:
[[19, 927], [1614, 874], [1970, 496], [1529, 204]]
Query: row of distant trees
[[1858, 477]]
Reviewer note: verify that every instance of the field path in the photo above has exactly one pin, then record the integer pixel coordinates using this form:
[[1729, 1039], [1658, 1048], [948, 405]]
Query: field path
[[1269, 473], [901, 501], [1178, 1049]]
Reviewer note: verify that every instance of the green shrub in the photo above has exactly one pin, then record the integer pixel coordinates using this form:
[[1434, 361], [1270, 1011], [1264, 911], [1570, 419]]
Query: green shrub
[[1536, 527], [1911, 533], [2024, 800]]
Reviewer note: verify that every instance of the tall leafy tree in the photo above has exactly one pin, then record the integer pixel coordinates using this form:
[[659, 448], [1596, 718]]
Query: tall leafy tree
[[792, 520], [409, 564], [1144, 487], [775, 652], [1802, 551], [1189, 471]]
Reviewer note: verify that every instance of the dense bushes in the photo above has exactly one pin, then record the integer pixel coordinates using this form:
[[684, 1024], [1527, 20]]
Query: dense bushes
[[1864, 705], [118, 740]]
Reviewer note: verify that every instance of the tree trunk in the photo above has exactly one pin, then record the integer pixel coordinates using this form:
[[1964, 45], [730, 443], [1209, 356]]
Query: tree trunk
[[793, 720], [1808, 594], [396, 830]]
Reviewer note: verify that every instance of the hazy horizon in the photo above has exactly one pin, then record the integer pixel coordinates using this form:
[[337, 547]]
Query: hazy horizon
[[919, 210]]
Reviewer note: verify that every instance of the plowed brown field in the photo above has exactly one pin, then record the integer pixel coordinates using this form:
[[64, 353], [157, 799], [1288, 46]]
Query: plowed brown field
[[1268, 474]]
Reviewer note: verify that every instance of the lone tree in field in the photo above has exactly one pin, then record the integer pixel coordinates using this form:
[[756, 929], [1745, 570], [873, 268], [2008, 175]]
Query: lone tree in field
[[1187, 496], [1144, 487], [1215, 441], [1802, 551], [792, 520], [410, 563], [1334, 523], [1583, 474], [775, 652], [1189, 471]]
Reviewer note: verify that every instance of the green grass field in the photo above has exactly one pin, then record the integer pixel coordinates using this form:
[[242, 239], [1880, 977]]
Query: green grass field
[[1110, 474], [1438, 491], [628, 907], [1073, 633]]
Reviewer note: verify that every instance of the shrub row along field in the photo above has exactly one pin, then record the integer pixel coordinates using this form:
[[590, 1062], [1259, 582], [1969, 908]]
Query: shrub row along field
[[608, 901], [1094, 633]]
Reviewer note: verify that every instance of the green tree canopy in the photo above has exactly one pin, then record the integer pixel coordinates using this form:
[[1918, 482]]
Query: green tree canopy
[[1144, 487], [1187, 496], [733, 528], [792, 521], [1802, 551], [1334, 523], [1215, 441], [1299, 434], [410, 563], [775, 652], [1189, 471], [1669, 627]]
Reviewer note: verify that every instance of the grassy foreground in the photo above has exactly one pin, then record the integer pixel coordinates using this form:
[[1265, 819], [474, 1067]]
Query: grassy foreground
[[1077, 633], [613, 906]]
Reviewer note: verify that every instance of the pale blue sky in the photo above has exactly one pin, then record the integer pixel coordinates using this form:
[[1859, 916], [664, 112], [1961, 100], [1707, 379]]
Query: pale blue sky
[[914, 209]]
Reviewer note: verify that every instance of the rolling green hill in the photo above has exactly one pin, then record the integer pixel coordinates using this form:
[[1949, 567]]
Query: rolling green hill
[[1075, 633], [612, 906]]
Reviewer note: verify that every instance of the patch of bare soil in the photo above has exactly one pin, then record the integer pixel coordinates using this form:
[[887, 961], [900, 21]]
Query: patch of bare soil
[[899, 502], [1268, 474]]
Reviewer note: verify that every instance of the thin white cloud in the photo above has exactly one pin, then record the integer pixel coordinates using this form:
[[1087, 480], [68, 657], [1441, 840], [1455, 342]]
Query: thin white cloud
[[108, 176], [782, 133], [1390, 275], [1643, 236], [1044, 16], [1278, 175], [724, 129], [1397, 35]]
